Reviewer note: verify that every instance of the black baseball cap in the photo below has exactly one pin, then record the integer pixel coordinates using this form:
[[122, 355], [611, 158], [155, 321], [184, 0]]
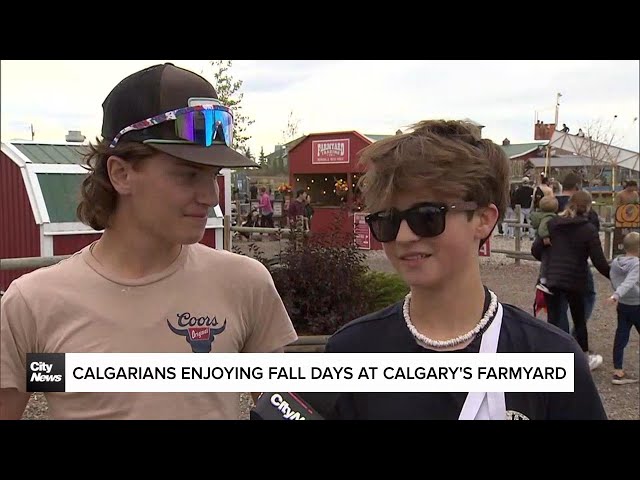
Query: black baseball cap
[[154, 91]]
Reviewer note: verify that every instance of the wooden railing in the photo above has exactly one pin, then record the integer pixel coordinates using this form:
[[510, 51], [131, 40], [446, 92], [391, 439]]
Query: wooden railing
[[517, 254], [607, 226], [38, 262]]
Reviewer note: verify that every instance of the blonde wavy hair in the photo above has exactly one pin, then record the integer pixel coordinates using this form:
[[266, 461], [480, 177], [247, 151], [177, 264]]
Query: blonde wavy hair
[[448, 158]]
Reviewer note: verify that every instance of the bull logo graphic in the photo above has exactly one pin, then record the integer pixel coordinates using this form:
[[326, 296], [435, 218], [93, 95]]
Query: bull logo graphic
[[200, 332]]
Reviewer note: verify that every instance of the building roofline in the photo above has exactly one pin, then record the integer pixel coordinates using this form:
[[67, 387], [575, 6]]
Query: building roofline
[[37, 142]]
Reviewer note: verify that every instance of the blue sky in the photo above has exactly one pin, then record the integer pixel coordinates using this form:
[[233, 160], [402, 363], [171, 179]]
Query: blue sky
[[374, 97]]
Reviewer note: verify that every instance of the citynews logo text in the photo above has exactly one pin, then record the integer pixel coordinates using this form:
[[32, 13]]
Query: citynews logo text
[[41, 372], [283, 407]]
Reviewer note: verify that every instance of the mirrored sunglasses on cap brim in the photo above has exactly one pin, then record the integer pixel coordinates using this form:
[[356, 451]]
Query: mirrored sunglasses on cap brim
[[203, 125]]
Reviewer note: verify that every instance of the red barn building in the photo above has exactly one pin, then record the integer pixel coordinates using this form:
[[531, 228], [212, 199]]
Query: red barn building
[[320, 160], [39, 191], [316, 164], [521, 153]]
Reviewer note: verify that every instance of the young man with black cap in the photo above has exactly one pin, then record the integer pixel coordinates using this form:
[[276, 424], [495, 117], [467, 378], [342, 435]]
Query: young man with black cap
[[147, 285]]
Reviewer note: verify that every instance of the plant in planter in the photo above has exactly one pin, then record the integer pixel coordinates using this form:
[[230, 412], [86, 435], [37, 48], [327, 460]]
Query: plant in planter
[[341, 188], [384, 289], [284, 189], [321, 281]]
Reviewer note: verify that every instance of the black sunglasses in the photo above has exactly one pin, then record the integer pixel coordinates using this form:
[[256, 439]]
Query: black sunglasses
[[425, 219]]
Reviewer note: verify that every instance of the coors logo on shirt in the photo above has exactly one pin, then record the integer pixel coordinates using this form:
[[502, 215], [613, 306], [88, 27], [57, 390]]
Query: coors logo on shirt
[[199, 331]]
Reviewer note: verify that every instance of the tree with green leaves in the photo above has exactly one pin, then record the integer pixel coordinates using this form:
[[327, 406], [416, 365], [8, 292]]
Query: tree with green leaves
[[262, 159], [229, 94]]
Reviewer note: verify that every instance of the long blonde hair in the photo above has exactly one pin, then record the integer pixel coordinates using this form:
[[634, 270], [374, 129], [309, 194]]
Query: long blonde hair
[[579, 204]]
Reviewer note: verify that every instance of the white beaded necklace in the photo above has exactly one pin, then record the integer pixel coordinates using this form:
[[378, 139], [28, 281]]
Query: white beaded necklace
[[453, 341]]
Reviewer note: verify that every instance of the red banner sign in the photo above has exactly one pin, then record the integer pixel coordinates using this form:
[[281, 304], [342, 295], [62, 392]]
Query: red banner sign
[[485, 250], [330, 151], [361, 231]]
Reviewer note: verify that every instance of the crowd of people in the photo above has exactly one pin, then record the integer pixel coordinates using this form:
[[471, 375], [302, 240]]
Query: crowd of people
[[567, 236], [299, 212]]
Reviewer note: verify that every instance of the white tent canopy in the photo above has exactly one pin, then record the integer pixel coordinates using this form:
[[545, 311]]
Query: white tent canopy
[[586, 147]]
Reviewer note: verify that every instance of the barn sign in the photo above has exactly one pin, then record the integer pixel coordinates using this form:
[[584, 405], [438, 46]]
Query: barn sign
[[330, 151]]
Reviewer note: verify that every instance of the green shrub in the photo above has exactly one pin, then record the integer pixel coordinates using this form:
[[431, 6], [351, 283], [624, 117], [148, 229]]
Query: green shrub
[[320, 280], [324, 281], [384, 289]]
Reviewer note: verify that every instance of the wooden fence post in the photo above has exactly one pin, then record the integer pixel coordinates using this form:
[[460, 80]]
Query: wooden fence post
[[608, 253], [226, 233], [518, 232]]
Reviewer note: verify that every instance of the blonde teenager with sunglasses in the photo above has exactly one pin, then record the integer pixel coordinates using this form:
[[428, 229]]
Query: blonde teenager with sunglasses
[[436, 193]]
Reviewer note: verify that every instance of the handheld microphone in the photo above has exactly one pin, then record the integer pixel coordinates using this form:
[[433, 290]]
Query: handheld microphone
[[293, 406]]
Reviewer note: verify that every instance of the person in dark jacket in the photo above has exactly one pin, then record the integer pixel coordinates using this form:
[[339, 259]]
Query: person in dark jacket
[[524, 197], [571, 185], [574, 239]]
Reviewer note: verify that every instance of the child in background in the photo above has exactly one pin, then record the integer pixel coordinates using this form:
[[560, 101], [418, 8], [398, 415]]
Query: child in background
[[539, 220], [625, 271], [252, 220]]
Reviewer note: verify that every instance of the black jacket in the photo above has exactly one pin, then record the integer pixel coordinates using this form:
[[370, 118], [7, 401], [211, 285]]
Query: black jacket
[[573, 242], [593, 217], [522, 196], [385, 331]]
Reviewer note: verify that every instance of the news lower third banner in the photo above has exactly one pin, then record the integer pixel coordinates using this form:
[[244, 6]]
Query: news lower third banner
[[300, 372]]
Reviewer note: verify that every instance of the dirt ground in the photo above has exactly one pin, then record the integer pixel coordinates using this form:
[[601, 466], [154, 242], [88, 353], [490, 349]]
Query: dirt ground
[[513, 284]]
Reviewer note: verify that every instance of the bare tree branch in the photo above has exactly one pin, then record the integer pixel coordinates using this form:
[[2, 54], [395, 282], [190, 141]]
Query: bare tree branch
[[290, 132], [596, 144]]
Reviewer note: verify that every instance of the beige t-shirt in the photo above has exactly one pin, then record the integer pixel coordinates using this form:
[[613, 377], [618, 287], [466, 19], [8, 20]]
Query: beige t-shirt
[[77, 306]]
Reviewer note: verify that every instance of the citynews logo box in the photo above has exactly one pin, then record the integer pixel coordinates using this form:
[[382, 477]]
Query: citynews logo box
[[45, 372]]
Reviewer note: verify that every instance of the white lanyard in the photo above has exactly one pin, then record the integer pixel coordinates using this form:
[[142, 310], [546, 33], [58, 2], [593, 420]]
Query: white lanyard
[[486, 405]]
